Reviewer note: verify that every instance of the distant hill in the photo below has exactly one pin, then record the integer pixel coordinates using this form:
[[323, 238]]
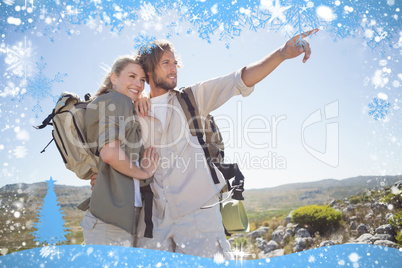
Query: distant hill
[[307, 193], [286, 196], [68, 196], [24, 200]]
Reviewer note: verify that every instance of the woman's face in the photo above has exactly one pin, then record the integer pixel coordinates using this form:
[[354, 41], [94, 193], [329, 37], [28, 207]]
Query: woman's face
[[130, 82]]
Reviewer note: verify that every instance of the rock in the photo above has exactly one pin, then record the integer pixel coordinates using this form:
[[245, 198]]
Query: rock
[[385, 243], [382, 237], [332, 203], [257, 233], [260, 243], [291, 226], [379, 207], [309, 241], [362, 229], [289, 231], [352, 225], [385, 229], [380, 217], [327, 243], [348, 209], [365, 238], [369, 216], [288, 219], [389, 216], [300, 244], [278, 234], [275, 253], [353, 218], [271, 246], [398, 185], [287, 237], [302, 232]]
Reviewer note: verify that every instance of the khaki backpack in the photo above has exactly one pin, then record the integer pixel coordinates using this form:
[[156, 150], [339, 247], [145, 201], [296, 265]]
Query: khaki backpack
[[67, 119]]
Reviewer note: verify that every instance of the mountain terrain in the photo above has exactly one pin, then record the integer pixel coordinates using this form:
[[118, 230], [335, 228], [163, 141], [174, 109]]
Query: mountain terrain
[[20, 203]]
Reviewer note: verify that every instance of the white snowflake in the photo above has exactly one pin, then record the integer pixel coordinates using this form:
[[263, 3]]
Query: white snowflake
[[354, 257], [97, 2], [91, 23], [277, 12], [379, 79], [9, 2], [396, 83], [147, 11], [20, 152], [19, 59], [11, 90], [311, 258], [218, 258], [49, 252]]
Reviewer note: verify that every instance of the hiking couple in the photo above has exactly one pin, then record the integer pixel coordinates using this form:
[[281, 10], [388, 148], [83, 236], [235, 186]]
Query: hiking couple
[[177, 224]]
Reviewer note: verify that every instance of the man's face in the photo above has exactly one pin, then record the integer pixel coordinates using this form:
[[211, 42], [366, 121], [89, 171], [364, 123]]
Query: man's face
[[165, 74]]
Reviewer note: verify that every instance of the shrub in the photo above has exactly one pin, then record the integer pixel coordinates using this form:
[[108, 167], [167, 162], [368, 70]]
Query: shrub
[[396, 222], [253, 226], [355, 199], [394, 199], [240, 242], [318, 218]]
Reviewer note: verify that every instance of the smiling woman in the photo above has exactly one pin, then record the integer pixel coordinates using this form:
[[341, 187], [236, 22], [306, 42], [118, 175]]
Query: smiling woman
[[126, 77], [112, 124]]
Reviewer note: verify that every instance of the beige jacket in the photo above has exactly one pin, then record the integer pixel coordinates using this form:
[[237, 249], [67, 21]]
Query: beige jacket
[[182, 181]]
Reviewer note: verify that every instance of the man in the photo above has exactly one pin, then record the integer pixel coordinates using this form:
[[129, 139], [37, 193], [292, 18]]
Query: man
[[183, 184]]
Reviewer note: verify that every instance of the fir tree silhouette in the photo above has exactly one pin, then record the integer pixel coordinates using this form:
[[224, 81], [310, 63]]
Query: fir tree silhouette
[[50, 227]]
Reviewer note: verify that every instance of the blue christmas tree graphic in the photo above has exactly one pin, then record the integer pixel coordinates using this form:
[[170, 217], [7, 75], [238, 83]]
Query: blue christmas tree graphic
[[50, 229]]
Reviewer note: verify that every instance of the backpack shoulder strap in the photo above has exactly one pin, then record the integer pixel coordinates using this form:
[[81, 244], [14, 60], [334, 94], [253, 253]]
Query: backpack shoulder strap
[[194, 121], [187, 102]]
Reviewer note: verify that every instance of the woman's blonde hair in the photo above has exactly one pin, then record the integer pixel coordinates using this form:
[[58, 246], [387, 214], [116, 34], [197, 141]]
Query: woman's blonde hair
[[119, 64]]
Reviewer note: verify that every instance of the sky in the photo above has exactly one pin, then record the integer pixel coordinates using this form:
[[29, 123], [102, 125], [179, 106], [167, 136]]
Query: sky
[[304, 122]]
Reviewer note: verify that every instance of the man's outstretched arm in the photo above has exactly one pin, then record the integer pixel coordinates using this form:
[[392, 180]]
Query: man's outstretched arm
[[255, 72]]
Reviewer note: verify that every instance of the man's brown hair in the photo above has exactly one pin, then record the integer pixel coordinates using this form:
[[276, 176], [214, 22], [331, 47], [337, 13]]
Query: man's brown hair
[[150, 54]]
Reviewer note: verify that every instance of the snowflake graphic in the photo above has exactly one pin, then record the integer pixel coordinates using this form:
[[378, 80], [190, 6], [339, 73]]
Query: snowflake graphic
[[377, 36], [19, 59], [256, 20], [294, 18], [144, 43], [39, 87], [9, 2], [147, 11], [224, 19], [11, 90], [379, 108], [20, 152], [311, 258]]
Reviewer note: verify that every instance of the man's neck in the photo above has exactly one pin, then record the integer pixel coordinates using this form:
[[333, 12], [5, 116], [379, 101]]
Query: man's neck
[[155, 92]]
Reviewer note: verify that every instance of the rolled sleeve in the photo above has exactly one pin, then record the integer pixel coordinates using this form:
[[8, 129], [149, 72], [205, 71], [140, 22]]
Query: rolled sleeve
[[116, 110], [211, 94], [240, 86]]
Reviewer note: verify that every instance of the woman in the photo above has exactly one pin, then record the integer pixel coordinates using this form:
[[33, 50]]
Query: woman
[[112, 124]]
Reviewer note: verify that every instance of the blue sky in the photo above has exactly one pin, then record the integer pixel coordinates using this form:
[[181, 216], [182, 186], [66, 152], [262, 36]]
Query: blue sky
[[343, 75]]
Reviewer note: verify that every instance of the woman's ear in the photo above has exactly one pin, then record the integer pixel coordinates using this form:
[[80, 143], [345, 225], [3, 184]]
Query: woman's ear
[[113, 78]]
